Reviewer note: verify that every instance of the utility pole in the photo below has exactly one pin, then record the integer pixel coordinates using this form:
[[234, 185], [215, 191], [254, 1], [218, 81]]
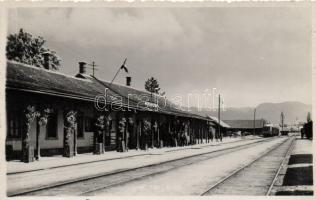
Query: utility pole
[[219, 117], [151, 123], [282, 121], [93, 65], [254, 122]]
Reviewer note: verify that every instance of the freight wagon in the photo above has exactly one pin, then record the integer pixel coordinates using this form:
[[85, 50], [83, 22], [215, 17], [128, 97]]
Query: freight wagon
[[269, 131]]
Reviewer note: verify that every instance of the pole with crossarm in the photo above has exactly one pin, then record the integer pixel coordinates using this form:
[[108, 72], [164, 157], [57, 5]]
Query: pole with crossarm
[[93, 65]]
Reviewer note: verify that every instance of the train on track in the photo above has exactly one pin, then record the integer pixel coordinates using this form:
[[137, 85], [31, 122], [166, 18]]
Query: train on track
[[270, 130]]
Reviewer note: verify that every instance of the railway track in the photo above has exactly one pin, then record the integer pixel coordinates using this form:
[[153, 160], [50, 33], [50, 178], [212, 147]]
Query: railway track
[[257, 177], [86, 186], [107, 159]]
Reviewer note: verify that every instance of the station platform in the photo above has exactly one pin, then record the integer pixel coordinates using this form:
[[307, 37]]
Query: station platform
[[16, 166], [296, 177], [86, 166]]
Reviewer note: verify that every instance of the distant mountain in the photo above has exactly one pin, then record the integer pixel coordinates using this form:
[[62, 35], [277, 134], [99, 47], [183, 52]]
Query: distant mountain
[[291, 110], [268, 111]]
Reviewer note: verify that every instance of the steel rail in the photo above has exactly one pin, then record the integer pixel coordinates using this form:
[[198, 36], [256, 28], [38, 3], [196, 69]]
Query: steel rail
[[241, 147], [243, 167], [289, 150], [64, 183]]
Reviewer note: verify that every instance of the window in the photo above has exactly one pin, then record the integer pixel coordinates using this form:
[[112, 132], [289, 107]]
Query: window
[[80, 130], [88, 126], [14, 124], [51, 127]]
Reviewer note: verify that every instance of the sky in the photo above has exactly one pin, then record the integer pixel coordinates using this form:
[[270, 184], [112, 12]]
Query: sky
[[250, 55]]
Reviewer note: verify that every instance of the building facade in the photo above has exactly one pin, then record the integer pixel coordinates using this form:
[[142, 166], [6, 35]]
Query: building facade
[[49, 113]]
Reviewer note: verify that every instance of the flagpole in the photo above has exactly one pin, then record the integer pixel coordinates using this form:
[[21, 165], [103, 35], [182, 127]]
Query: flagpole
[[118, 71], [123, 141], [115, 75]]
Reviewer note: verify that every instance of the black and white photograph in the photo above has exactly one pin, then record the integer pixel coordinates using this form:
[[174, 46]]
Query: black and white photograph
[[137, 99]]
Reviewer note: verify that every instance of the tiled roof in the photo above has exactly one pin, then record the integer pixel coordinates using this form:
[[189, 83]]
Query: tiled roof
[[140, 97], [33, 79], [245, 124]]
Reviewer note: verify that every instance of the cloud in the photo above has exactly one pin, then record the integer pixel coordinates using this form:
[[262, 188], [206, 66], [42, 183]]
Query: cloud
[[257, 51]]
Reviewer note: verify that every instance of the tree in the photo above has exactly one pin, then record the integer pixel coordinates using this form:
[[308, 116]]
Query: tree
[[152, 86], [309, 117], [23, 47]]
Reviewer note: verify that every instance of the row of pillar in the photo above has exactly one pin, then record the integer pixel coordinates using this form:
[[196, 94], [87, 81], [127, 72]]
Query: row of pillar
[[147, 128]]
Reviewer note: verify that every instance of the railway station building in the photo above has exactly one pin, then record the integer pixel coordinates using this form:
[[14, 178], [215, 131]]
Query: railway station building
[[50, 113]]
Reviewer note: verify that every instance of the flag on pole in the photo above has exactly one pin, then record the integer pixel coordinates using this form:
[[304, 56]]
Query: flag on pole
[[124, 66]]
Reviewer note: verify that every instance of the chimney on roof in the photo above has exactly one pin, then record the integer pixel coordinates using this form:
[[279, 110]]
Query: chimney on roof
[[82, 67], [46, 63], [128, 80]]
